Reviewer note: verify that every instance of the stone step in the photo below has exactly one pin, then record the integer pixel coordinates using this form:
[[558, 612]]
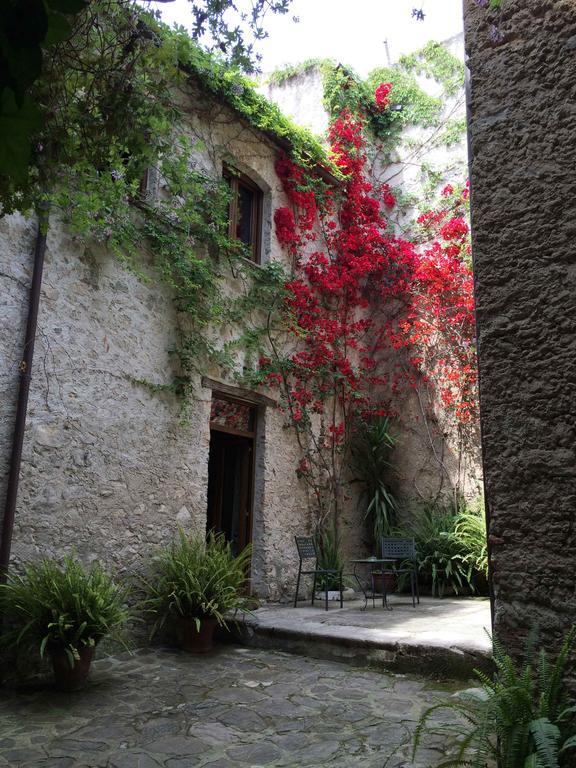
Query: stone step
[[439, 638]]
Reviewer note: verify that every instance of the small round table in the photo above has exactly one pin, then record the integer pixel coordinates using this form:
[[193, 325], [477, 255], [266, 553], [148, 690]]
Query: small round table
[[372, 561]]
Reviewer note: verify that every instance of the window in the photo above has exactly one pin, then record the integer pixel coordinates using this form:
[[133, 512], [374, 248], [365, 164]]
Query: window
[[245, 215]]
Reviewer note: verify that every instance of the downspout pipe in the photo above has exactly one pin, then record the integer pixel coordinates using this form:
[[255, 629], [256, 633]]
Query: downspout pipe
[[23, 392]]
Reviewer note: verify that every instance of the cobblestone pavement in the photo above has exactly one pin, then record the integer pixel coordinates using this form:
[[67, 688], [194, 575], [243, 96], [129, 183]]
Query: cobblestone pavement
[[235, 707]]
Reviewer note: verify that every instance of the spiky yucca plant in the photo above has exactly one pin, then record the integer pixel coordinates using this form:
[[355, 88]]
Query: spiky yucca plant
[[522, 718], [330, 558], [371, 465]]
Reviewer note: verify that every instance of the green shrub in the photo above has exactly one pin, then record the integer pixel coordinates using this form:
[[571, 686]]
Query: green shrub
[[521, 718], [329, 558], [61, 607], [470, 530], [196, 577], [451, 545], [371, 467]]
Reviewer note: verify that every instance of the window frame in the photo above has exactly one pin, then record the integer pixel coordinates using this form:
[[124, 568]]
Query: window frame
[[235, 178]]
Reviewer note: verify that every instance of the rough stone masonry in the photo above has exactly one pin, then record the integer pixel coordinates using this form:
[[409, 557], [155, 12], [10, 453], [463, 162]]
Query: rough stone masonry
[[523, 141]]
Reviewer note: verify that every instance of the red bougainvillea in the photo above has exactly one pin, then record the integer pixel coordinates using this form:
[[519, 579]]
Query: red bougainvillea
[[381, 95], [370, 314]]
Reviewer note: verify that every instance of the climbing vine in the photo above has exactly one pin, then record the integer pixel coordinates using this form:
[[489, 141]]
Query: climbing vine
[[367, 314], [115, 94]]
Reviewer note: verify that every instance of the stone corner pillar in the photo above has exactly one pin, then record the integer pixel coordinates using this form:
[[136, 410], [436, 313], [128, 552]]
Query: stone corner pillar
[[522, 130]]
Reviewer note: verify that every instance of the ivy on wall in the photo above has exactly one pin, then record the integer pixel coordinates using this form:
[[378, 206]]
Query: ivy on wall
[[114, 94], [410, 103]]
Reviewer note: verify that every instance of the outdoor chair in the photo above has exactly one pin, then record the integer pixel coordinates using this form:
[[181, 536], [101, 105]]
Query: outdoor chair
[[308, 553], [403, 553]]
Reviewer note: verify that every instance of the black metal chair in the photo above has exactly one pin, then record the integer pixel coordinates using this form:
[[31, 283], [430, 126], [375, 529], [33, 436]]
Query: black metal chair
[[307, 550], [403, 553]]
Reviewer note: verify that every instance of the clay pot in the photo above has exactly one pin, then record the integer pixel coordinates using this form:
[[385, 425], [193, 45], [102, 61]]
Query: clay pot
[[71, 678], [387, 582], [194, 640]]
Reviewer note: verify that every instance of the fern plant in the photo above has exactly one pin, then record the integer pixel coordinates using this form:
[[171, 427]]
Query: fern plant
[[61, 607], [470, 529], [521, 718], [196, 577], [442, 555]]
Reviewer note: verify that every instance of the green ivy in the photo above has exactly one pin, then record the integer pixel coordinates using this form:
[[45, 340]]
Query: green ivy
[[288, 72], [436, 62], [235, 89]]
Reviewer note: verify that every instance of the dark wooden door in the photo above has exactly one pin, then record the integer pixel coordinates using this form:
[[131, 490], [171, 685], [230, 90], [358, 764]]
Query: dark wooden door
[[230, 473]]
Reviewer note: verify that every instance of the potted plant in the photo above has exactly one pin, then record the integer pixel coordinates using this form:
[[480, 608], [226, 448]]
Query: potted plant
[[195, 582], [62, 611], [330, 558], [371, 465]]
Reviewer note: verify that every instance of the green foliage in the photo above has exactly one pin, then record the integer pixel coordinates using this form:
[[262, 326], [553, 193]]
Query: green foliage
[[370, 462], [229, 30], [29, 29], [470, 529], [238, 91], [58, 607], [115, 112], [436, 62], [282, 75], [521, 719], [330, 558], [26, 30], [451, 545], [453, 132], [196, 577]]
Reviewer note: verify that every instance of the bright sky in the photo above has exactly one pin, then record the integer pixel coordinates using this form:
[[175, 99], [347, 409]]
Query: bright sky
[[351, 31]]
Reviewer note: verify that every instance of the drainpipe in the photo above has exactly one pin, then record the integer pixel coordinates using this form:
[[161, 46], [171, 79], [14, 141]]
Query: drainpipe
[[23, 390]]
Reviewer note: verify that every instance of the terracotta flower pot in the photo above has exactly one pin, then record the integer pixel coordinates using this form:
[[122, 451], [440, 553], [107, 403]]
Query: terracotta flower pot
[[71, 678], [387, 582], [194, 639]]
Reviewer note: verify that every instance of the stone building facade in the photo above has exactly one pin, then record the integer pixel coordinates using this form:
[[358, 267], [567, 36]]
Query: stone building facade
[[522, 107], [110, 468]]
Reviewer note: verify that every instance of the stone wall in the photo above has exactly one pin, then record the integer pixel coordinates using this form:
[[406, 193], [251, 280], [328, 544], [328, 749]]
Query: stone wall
[[109, 468], [522, 131]]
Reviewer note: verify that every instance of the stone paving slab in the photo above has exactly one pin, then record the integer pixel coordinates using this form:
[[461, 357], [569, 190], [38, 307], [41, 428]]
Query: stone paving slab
[[443, 637], [234, 707]]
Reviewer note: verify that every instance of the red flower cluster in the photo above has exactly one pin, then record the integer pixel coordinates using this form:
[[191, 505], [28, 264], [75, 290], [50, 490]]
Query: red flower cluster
[[285, 227], [381, 95], [455, 229], [303, 199]]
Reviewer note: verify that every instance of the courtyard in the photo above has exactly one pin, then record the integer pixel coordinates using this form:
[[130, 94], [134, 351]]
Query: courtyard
[[246, 297], [234, 707]]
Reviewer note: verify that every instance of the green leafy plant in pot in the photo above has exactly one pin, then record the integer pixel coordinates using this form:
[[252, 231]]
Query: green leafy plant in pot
[[194, 583], [62, 611], [371, 465], [330, 558]]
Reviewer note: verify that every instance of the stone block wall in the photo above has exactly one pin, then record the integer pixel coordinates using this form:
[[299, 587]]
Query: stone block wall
[[523, 143]]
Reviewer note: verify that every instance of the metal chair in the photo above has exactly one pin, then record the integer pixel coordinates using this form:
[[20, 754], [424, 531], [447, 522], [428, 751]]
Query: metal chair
[[403, 552], [307, 550]]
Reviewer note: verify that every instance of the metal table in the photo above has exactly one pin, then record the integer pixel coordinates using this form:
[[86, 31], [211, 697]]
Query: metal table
[[372, 561]]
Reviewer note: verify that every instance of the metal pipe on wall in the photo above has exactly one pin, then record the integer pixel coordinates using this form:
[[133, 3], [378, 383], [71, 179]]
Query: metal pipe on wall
[[23, 392]]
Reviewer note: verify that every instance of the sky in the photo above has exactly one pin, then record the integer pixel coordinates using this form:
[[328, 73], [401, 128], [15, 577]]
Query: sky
[[351, 31]]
